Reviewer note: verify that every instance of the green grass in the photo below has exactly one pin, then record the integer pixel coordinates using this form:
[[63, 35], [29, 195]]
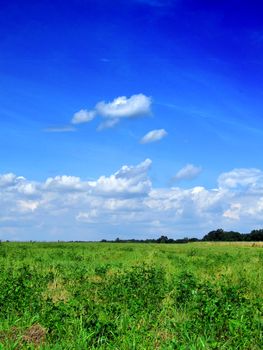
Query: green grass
[[131, 296]]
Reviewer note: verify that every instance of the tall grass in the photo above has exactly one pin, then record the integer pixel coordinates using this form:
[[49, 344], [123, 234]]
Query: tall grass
[[131, 296]]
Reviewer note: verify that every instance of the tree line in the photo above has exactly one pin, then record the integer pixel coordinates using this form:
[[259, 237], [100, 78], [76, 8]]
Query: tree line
[[218, 235]]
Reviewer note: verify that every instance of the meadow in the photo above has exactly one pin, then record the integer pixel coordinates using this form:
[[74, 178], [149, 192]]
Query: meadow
[[131, 296]]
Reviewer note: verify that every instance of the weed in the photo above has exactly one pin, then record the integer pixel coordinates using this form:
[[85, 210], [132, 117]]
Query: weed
[[105, 296]]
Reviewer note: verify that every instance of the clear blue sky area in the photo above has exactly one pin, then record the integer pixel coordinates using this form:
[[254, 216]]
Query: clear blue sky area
[[130, 118]]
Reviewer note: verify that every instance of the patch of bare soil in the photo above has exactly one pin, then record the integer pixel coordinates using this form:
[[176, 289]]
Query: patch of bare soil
[[36, 335]]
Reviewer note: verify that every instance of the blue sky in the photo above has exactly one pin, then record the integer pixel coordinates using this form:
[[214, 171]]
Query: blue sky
[[130, 118]]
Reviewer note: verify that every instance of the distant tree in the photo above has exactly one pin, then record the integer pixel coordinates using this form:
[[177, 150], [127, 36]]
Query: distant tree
[[162, 239], [232, 236], [256, 235], [214, 235], [182, 240], [193, 239], [221, 235]]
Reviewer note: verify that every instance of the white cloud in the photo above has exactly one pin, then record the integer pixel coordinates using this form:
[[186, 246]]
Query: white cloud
[[110, 123], [188, 172], [27, 188], [25, 206], [83, 116], [127, 203], [128, 181], [251, 178], [63, 183], [153, 136], [233, 212], [88, 217], [7, 179], [123, 107]]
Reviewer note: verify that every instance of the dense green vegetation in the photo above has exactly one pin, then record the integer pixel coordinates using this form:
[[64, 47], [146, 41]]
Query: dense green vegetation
[[131, 296]]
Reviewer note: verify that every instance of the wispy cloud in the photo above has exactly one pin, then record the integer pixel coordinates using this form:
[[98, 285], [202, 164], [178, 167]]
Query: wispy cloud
[[68, 128], [110, 123], [83, 116], [188, 172], [153, 136]]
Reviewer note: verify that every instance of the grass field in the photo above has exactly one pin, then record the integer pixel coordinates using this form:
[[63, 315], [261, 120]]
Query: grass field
[[131, 296]]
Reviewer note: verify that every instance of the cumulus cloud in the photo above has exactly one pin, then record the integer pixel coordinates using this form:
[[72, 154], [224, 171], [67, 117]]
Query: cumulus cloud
[[26, 188], [126, 202], [83, 116], [250, 178], [233, 212], [153, 136], [188, 172], [88, 217], [63, 183], [128, 181], [27, 205], [121, 107], [7, 179]]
